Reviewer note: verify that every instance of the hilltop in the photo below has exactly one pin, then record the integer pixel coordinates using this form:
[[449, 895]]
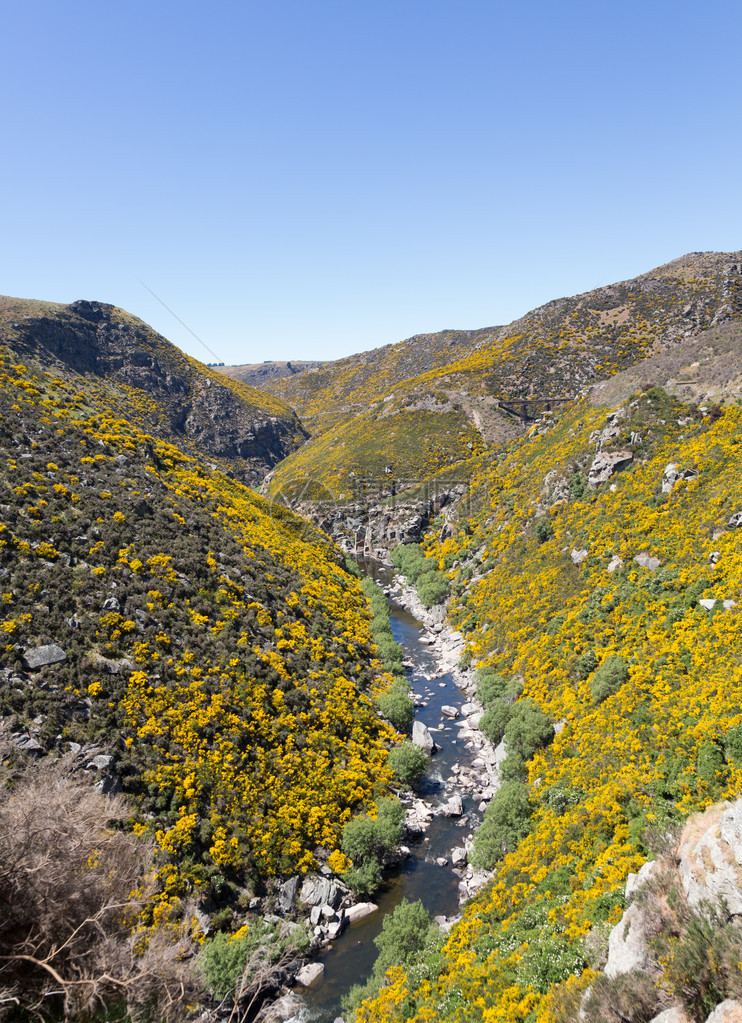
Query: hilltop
[[132, 369], [259, 373]]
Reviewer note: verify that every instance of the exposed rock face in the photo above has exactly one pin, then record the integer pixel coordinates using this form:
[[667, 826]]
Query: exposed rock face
[[729, 1011], [377, 525], [627, 944], [672, 1015], [605, 464], [222, 420], [710, 861], [319, 891]]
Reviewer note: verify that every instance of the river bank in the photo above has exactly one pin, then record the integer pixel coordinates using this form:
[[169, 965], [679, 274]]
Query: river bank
[[441, 817]]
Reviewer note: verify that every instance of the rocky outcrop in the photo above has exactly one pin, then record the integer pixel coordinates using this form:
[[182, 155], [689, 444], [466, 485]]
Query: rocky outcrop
[[711, 858]]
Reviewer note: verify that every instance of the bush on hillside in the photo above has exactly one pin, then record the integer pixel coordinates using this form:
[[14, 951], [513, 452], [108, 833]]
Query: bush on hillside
[[369, 841], [507, 820], [494, 721], [609, 678], [432, 588]]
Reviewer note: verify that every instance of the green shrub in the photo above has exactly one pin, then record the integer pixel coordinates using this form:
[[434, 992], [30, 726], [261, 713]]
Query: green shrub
[[544, 530], [490, 685], [494, 721], [432, 588], [710, 764], [527, 730], [586, 664], [409, 560], [396, 706], [408, 763], [609, 678], [389, 651], [507, 820], [367, 841]]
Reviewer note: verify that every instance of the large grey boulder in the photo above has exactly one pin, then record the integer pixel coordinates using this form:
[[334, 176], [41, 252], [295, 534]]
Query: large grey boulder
[[453, 807], [319, 891], [360, 911], [40, 656], [648, 561], [310, 975], [422, 737]]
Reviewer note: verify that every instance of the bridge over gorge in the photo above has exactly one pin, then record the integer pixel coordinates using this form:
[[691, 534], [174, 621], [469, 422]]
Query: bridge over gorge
[[528, 408]]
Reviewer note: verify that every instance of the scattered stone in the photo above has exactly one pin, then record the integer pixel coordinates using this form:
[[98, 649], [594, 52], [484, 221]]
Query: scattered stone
[[99, 763], [647, 561], [454, 807], [41, 656], [284, 1009], [111, 604], [27, 744], [334, 929], [315, 915], [441, 861], [449, 712], [458, 856], [614, 564], [735, 521], [578, 556]]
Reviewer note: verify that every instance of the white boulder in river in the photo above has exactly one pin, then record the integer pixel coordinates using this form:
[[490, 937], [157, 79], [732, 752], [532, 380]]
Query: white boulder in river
[[421, 737]]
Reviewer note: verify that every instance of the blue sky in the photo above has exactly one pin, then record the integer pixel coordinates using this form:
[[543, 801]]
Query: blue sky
[[310, 179]]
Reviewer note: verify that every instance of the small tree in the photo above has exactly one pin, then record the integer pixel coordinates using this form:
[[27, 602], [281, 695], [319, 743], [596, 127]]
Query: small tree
[[408, 763]]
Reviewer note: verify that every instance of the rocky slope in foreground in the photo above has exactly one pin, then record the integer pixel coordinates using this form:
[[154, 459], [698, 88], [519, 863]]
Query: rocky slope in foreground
[[137, 372]]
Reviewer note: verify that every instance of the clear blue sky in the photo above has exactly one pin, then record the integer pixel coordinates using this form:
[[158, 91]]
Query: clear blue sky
[[310, 178]]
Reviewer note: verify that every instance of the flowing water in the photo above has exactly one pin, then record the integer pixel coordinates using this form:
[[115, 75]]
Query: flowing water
[[352, 956]]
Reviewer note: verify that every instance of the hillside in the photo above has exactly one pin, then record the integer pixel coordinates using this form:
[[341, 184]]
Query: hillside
[[173, 637], [387, 415], [596, 574], [137, 372]]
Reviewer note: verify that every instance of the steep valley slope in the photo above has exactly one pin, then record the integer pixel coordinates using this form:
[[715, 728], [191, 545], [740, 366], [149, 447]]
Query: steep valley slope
[[208, 654]]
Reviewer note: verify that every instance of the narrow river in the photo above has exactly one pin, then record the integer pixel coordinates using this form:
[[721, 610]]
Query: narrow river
[[352, 956]]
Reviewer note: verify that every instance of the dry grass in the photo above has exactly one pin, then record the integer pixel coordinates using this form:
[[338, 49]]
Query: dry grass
[[69, 884]]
